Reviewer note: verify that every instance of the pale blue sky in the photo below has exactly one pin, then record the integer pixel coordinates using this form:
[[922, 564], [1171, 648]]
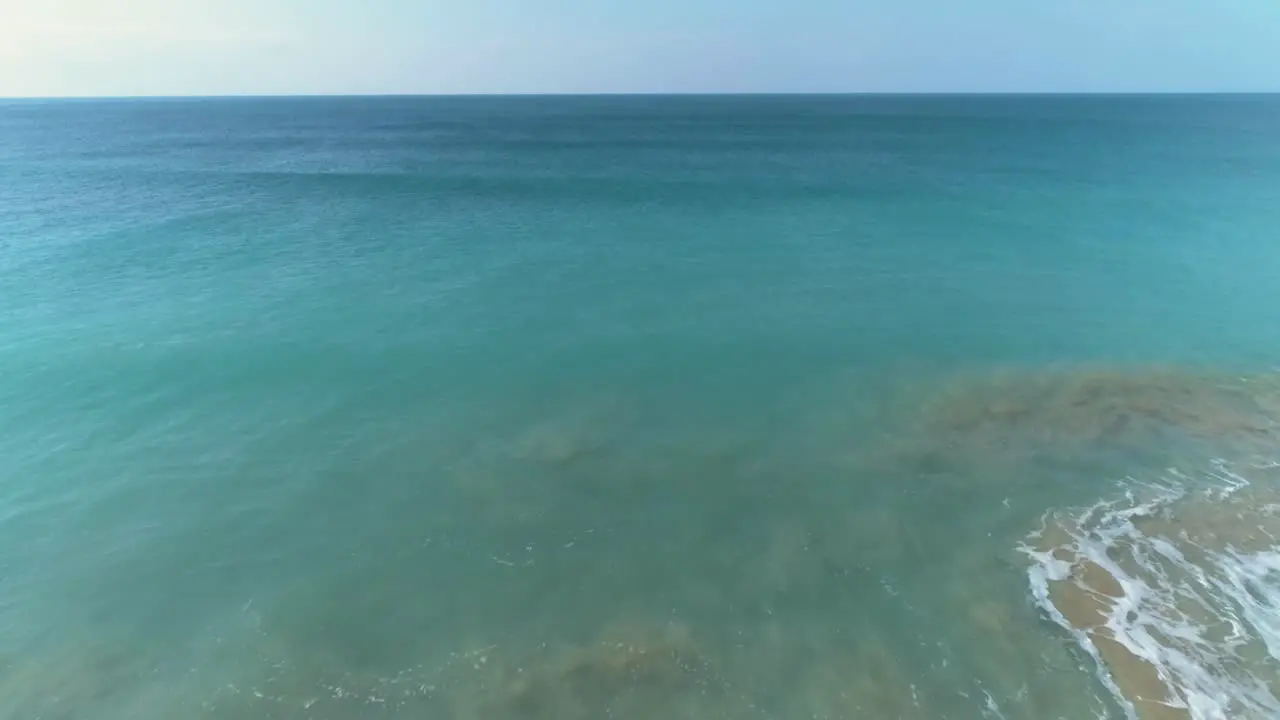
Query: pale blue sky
[[207, 47]]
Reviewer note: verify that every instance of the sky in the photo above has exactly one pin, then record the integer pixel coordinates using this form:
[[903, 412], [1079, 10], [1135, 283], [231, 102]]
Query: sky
[[285, 47]]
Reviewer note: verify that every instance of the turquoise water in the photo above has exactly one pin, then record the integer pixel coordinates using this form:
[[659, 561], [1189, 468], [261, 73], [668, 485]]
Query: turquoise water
[[689, 407]]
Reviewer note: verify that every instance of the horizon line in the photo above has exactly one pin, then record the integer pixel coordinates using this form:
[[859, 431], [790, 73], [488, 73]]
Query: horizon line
[[484, 95]]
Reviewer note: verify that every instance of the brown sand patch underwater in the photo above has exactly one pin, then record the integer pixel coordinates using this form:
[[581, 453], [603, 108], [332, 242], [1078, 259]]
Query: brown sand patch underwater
[[627, 672], [1009, 420]]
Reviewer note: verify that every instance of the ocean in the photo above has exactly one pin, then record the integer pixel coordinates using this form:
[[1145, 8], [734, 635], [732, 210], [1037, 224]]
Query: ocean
[[691, 408]]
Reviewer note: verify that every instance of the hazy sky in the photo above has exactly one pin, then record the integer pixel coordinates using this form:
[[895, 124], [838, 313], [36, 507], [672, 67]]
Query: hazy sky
[[201, 47]]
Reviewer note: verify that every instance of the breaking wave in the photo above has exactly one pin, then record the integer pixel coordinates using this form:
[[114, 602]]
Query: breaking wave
[[1173, 590]]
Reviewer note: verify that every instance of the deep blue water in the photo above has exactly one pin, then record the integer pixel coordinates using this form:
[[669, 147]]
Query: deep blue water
[[685, 407]]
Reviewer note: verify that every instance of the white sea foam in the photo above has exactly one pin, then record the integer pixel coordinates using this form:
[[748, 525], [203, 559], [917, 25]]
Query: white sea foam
[[1174, 593]]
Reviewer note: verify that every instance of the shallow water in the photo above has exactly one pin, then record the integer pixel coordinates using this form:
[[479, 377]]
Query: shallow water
[[639, 407]]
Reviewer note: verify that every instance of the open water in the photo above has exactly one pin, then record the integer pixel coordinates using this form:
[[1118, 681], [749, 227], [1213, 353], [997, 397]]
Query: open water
[[689, 408]]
